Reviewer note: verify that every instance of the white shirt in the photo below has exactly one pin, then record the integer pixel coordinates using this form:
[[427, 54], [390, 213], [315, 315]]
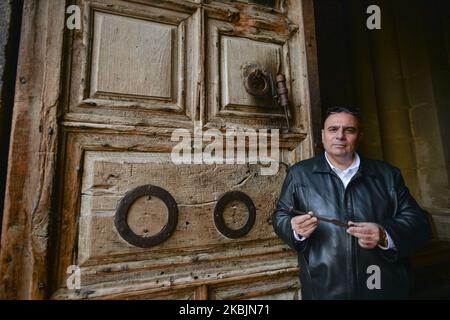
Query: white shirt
[[346, 175]]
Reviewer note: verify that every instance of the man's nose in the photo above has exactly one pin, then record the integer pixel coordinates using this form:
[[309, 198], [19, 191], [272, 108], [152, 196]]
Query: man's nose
[[340, 134]]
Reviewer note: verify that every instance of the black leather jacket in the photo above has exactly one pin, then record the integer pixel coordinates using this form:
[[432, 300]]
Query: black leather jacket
[[332, 264]]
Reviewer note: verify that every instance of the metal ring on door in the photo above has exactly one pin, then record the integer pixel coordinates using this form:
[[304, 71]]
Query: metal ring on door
[[219, 209], [124, 205]]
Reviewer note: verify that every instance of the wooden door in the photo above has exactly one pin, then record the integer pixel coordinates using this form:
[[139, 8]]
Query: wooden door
[[100, 193]]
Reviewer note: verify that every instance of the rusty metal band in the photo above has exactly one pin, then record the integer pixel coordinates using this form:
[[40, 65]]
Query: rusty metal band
[[219, 209], [124, 205]]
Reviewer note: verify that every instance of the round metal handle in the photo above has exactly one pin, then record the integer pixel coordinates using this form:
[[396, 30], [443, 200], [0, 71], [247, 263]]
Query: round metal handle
[[256, 80]]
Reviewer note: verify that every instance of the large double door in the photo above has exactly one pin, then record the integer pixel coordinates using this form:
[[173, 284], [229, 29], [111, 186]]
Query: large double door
[[112, 215]]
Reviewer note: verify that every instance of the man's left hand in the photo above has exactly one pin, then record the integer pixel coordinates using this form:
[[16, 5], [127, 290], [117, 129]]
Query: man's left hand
[[368, 233]]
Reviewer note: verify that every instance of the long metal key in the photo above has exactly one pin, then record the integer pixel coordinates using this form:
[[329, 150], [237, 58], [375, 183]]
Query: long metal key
[[321, 218]]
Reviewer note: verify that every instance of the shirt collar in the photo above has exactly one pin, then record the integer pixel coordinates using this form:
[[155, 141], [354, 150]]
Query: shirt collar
[[353, 167]]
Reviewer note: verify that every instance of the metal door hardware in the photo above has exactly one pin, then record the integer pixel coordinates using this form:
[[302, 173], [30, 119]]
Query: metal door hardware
[[219, 209], [283, 96], [256, 80], [260, 83], [124, 205]]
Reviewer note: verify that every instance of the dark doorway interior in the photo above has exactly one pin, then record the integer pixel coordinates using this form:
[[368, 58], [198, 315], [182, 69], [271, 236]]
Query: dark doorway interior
[[10, 22]]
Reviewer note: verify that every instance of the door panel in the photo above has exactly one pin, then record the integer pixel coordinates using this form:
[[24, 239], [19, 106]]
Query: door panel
[[119, 42], [235, 54], [129, 65], [285, 288], [100, 171], [108, 176], [134, 72], [259, 37]]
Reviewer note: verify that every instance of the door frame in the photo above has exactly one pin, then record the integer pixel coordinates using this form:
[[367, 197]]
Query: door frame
[[33, 153], [10, 53]]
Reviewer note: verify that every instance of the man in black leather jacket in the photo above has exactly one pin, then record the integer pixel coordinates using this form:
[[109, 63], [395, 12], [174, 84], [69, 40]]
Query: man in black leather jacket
[[367, 259]]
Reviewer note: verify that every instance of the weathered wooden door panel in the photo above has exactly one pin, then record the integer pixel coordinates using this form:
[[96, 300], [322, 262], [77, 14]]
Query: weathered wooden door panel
[[285, 288], [238, 35], [133, 73], [100, 170], [134, 64]]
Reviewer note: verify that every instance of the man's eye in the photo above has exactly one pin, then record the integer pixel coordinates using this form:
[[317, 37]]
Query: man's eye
[[350, 130], [332, 129]]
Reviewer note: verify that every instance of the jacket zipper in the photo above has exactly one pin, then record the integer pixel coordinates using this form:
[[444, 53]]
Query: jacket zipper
[[350, 242], [353, 245]]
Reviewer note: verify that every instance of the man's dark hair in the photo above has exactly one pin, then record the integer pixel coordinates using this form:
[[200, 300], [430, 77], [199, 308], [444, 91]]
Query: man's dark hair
[[351, 110]]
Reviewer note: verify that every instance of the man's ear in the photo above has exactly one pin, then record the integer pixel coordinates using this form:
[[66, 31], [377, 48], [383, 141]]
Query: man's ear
[[322, 134]]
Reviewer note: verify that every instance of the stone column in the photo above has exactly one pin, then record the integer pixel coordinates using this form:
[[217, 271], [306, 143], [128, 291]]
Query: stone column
[[423, 45], [392, 100]]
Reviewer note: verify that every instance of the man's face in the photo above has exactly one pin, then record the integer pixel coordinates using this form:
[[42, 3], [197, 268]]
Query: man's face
[[341, 134]]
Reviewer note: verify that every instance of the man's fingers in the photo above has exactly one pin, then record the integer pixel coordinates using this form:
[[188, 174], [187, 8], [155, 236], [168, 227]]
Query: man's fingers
[[304, 222], [363, 236], [309, 223], [311, 227], [307, 232], [367, 244], [364, 242], [301, 219], [359, 229], [304, 225], [368, 227], [365, 231]]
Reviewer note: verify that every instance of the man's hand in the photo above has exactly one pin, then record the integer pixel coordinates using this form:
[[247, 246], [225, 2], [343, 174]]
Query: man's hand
[[304, 225], [368, 233]]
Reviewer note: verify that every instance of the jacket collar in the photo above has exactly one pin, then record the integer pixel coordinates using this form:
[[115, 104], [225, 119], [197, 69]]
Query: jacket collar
[[321, 166]]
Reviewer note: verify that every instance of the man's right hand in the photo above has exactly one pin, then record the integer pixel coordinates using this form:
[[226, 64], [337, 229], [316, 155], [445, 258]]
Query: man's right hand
[[304, 225]]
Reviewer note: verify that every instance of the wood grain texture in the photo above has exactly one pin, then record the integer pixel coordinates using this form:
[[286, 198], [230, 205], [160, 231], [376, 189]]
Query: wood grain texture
[[235, 53], [104, 176], [247, 271], [33, 154], [107, 176], [315, 117], [286, 287], [129, 61], [281, 27], [118, 47]]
